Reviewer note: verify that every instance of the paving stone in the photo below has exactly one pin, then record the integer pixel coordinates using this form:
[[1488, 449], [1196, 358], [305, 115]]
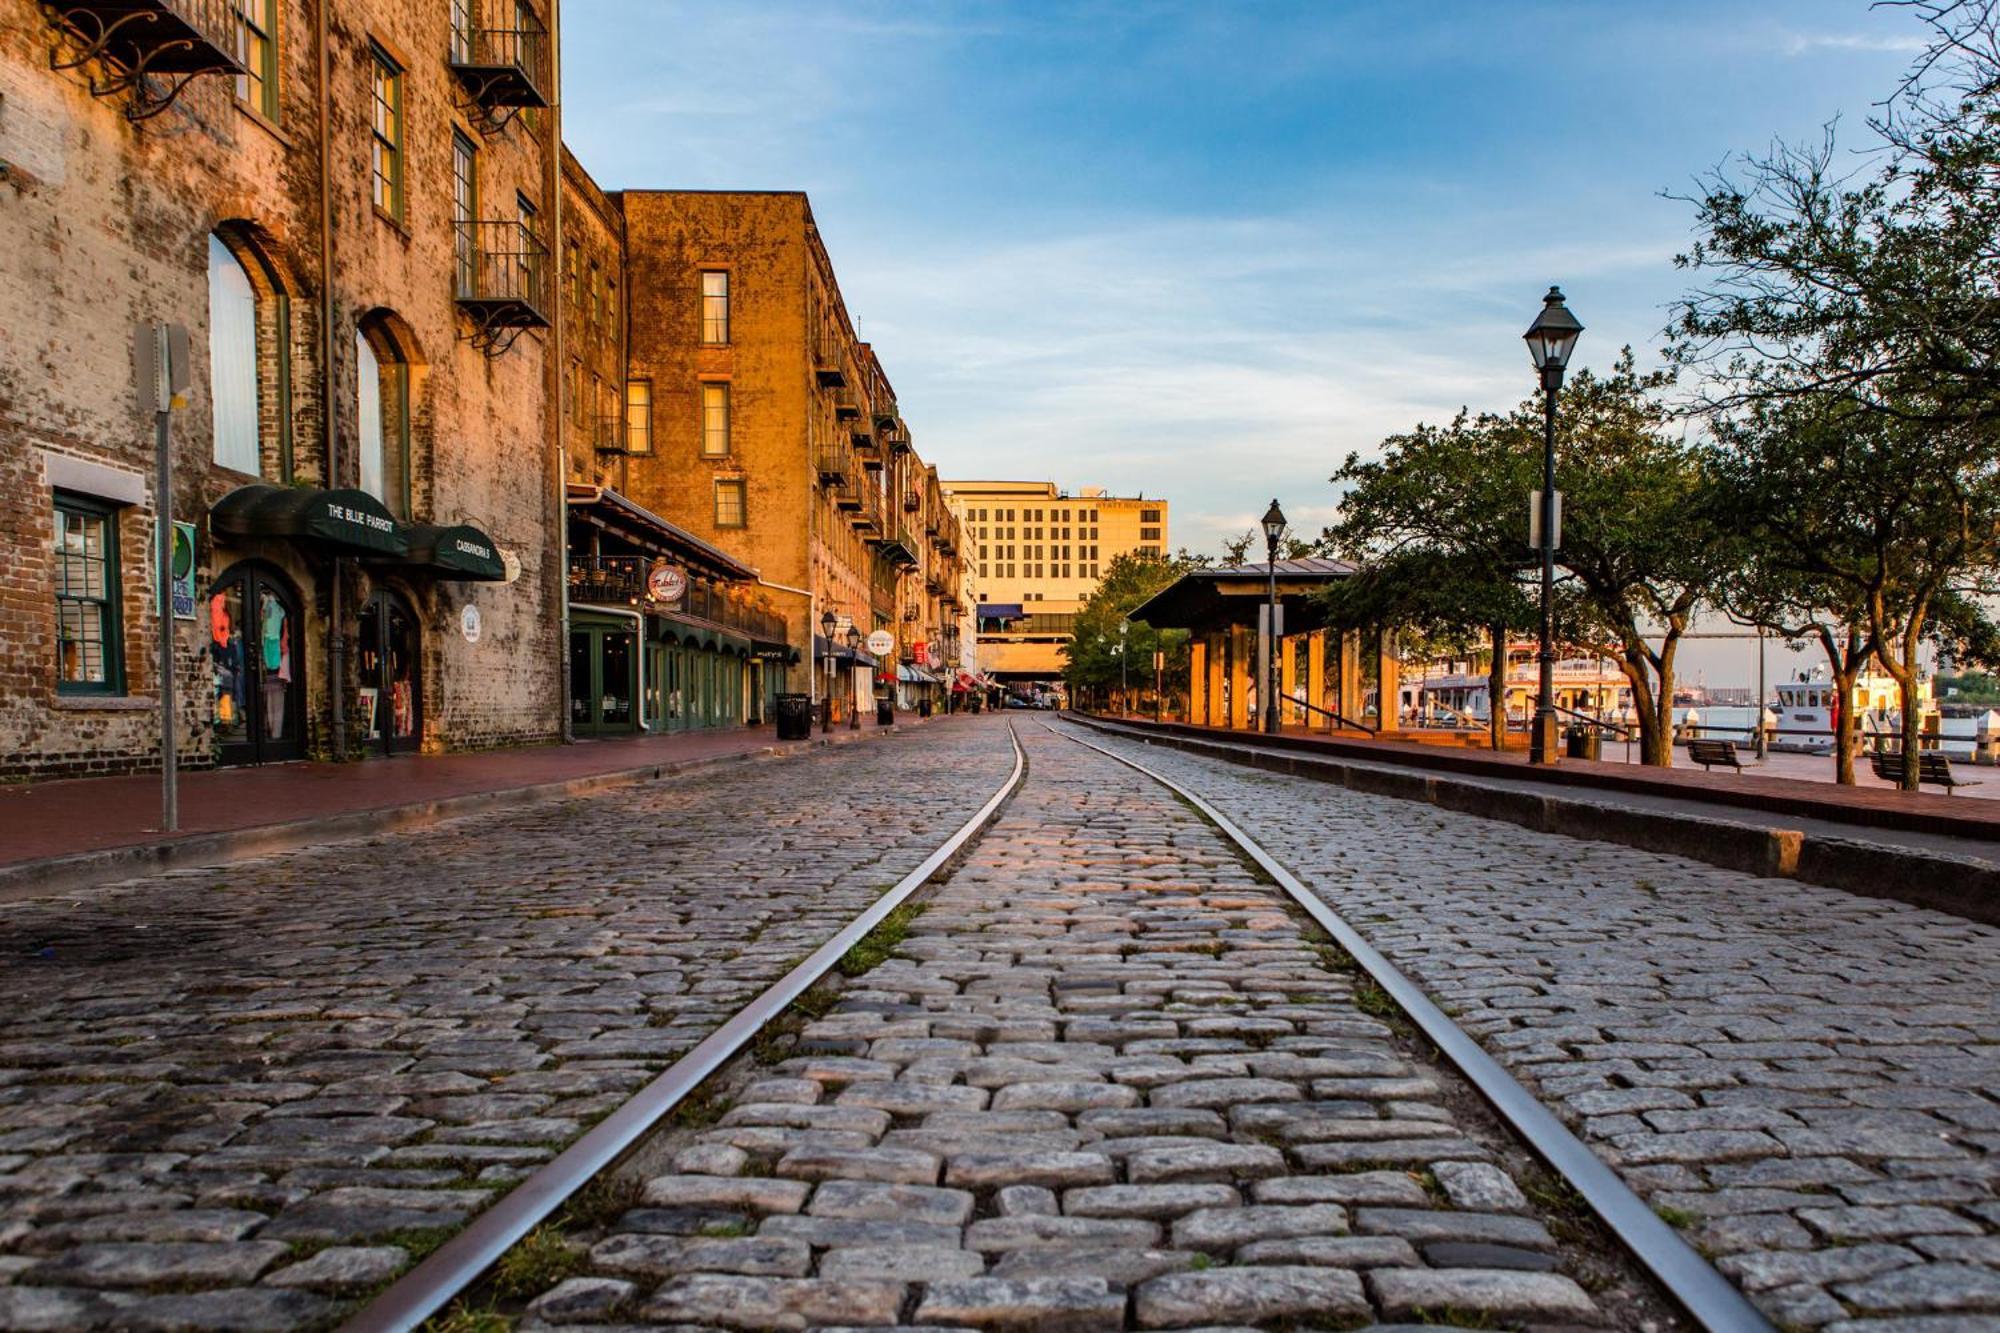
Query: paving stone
[[901, 1263], [342, 1268], [756, 1194], [867, 1201], [773, 1303], [1480, 1188], [1053, 1170], [1421, 1226], [846, 1232], [251, 1310], [1334, 1252], [998, 1235], [1886, 1223], [1194, 1163], [1501, 1293], [896, 1165], [1059, 1304], [1248, 1295], [1211, 1094], [38, 1307], [1118, 1266], [1025, 1200], [120, 1264], [1220, 1230], [1474, 1254], [1150, 1201], [1925, 1288], [1067, 1097], [1390, 1188], [583, 1300]]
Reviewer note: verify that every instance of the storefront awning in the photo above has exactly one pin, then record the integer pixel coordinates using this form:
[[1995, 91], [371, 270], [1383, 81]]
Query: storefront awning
[[344, 521], [999, 610], [824, 651], [915, 675], [455, 552]]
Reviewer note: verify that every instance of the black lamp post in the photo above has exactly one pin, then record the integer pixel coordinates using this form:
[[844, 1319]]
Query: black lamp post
[[854, 646], [1551, 338], [1274, 528], [827, 621]]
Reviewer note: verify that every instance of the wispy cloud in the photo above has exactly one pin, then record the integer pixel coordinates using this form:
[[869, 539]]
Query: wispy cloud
[[1799, 43]]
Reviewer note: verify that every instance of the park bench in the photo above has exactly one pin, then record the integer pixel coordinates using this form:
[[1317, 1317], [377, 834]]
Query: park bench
[[1932, 767], [1708, 753]]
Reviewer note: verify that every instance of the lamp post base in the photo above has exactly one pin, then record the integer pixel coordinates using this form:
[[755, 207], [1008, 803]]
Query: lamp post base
[[1543, 738]]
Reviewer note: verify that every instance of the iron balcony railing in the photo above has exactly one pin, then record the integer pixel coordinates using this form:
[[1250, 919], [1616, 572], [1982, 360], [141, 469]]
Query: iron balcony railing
[[152, 48], [621, 580], [503, 64], [834, 464], [608, 432], [502, 274]]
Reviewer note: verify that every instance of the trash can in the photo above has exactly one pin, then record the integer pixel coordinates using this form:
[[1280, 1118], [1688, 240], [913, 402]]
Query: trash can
[[794, 715], [1584, 742], [924, 706], [885, 712]]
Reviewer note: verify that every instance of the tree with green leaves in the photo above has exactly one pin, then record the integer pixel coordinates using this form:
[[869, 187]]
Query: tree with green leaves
[[1097, 648]]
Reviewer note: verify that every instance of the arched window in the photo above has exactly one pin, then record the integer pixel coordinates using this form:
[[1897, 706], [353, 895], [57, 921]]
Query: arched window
[[383, 376], [233, 380]]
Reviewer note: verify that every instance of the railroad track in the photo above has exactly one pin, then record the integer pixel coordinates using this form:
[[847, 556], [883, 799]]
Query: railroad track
[[1706, 1297]]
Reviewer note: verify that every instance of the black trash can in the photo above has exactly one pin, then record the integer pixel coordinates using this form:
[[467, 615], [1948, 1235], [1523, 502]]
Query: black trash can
[[885, 712], [924, 706], [795, 718], [1585, 743]]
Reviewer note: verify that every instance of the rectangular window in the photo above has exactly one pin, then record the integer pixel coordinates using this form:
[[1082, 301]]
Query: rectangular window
[[257, 48], [714, 306], [611, 311], [86, 579], [596, 299], [464, 210], [715, 421], [571, 282], [729, 502], [639, 416], [1149, 534], [387, 159], [1149, 516]]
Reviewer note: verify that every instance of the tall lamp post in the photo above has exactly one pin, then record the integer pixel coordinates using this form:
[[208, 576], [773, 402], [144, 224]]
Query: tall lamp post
[[1551, 338], [827, 621], [1124, 627], [854, 711], [1274, 528]]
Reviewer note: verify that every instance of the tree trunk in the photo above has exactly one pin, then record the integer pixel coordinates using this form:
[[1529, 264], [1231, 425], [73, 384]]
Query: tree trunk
[[1496, 690], [1906, 686], [1650, 738], [1843, 723]]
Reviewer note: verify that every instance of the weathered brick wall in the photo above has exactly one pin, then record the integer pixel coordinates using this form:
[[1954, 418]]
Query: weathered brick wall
[[108, 222]]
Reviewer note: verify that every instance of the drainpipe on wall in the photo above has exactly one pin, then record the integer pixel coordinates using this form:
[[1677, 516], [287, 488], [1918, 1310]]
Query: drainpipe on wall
[[336, 619], [554, 376]]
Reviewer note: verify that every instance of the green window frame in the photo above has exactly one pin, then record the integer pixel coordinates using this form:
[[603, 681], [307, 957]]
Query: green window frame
[[386, 128], [464, 212], [90, 656], [730, 503], [257, 48]]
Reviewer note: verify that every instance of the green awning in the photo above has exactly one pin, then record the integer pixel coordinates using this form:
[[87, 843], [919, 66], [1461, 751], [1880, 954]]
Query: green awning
[[344, 521], [455, 552], [732, 643]]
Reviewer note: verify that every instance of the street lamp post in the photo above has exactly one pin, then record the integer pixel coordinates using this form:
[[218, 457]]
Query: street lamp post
[[827, 621], [1124, 707], [854, 711], [1274, 528], [1551, 338]]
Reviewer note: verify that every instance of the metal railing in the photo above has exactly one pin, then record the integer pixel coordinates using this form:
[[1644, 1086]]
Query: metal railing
[[621, 580], [504, 64], [607, 431], [502, 267]]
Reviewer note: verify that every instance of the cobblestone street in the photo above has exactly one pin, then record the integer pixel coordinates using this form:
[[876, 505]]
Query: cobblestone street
[[1107, 1079], [1801, 1079], [228, 1097]]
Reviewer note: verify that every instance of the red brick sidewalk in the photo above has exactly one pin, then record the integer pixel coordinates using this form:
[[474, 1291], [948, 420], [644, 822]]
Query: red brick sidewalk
[[57, 819]]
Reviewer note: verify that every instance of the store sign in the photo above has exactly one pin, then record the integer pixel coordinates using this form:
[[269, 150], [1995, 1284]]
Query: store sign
[[932, 657], [881, 643], [665, 582], [468, 622], [919, 651], [184, 571]]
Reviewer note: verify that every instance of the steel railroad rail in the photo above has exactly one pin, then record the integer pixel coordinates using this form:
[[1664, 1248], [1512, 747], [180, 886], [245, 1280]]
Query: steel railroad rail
[[1707, 1297]]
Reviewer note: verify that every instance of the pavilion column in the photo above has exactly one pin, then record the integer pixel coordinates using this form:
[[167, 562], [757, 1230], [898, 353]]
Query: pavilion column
[[1350, 675], [1198, 680], [1315, 674], [1388, 681], [1218, 654], [1240, 655], [1288, 678]]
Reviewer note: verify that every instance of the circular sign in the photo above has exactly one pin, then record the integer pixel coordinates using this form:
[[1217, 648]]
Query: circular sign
[[183, 552], [510, 565], [468, 622], [881, 642], [665, 582]]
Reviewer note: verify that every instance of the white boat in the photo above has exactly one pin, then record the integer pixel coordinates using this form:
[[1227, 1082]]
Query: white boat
[[1807, 708], [1460, 694]]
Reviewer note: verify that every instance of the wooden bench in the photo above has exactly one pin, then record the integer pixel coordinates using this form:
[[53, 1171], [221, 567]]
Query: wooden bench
[[1932, 767], [1708, 753]]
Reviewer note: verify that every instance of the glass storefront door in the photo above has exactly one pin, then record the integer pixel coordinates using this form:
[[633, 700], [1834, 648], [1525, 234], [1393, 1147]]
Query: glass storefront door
[[256, 667], [392, 696], [603, 679]]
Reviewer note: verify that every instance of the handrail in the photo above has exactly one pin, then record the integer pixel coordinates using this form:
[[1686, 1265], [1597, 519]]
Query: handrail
[[1622, 733]]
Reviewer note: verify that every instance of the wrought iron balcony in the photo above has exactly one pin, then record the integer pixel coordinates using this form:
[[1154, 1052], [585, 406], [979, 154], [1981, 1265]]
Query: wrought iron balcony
[[501, 280], [151, 48], [833, 464], [830, 375], [845, 407], [913, 501], [846, 496], [898, 546], [607, 432], [608, 580], [503, 66]]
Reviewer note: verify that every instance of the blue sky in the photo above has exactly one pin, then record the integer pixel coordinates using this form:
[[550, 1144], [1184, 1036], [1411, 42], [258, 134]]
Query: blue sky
[[1206, 249]]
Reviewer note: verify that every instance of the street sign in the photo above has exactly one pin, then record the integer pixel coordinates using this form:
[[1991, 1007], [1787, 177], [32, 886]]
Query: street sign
[[1535, 521], [881, 643], [183, 571], [665, 582]]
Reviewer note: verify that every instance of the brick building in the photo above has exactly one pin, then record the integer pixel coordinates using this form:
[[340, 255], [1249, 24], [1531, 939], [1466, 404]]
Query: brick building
[[343, 206], [1039, 552]]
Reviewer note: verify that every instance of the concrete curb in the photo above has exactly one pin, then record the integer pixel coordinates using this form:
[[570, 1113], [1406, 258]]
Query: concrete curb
[[61, 874], [1944, 883]]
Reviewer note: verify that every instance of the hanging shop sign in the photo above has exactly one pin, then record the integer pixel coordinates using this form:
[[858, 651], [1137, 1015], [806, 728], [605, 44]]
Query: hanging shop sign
[[665, 582], [881, 642], [184, 571]]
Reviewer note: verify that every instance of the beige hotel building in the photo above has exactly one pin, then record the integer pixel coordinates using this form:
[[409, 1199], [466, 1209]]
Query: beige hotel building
[[1039, 552]]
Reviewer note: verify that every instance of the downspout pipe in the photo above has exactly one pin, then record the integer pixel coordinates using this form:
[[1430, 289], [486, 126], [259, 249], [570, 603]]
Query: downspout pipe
[[330, 443], [553, 376]]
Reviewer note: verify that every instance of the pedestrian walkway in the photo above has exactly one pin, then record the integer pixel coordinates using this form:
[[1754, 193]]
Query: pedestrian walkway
[[59, 819], [1872, 805]]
